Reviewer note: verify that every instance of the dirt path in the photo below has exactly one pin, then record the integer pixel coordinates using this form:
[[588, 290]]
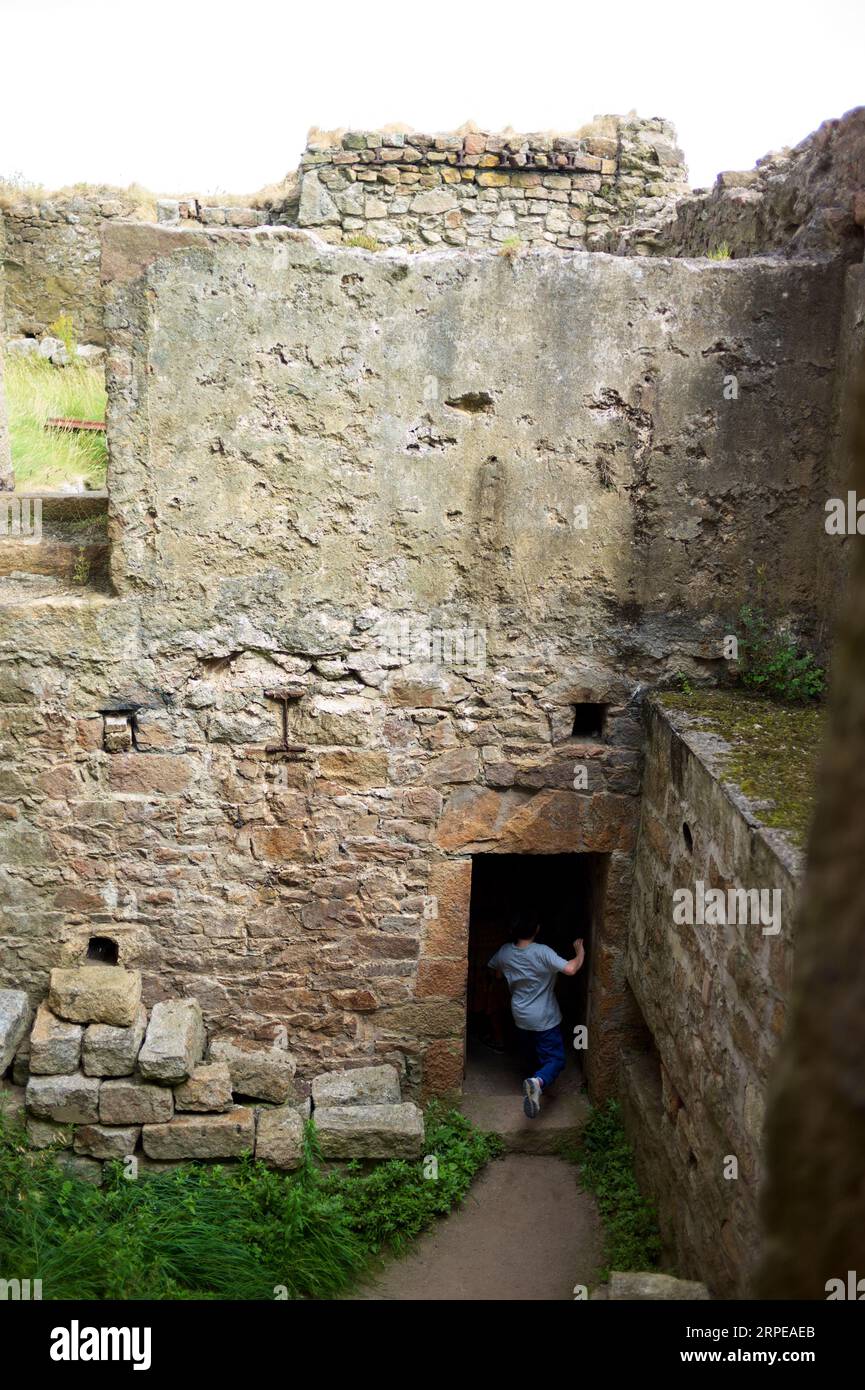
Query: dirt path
[[525, 1231]]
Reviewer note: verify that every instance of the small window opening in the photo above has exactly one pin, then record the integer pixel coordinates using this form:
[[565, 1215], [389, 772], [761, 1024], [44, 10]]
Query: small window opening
[[120, 727], [687, 837], [103, 950], [589, 721]]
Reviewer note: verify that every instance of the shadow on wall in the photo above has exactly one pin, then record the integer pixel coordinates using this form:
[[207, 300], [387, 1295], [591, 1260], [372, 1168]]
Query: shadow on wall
[[814, 1202]]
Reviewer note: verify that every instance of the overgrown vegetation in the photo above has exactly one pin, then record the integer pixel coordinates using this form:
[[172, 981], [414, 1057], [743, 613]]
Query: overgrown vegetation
[[36, 391], [772, 662], [64, 329], [632, 1238], [772, 750], [510, 247], [721, 252], [238, 1232]]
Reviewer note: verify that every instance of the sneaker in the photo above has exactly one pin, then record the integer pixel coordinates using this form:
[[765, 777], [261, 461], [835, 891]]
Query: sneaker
[[532, 1097]]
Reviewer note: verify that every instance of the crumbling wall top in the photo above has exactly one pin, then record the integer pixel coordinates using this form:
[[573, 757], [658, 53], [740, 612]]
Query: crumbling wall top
[[476, 187]]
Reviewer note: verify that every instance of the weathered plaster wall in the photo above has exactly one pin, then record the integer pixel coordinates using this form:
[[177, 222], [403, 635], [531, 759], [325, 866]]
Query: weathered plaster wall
[[51, 257], [308, 443], [713, 999], [483, 189]]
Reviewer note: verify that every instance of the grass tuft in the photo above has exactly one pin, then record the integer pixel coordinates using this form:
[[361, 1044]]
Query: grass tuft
[[36, 390], [364, 242]]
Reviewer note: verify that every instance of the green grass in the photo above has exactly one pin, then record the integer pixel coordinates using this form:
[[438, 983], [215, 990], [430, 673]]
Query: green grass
[[237, 1232], [37, 390], [632, 1239], [364, 242]]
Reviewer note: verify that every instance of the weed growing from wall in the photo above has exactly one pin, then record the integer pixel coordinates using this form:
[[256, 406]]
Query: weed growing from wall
[[773, 663]]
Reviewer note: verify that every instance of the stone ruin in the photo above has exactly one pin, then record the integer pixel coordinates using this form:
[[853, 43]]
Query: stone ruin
[[401, 548], [102, 1076]]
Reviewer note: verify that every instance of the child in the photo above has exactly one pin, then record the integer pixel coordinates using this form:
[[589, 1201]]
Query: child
[[530, 970]]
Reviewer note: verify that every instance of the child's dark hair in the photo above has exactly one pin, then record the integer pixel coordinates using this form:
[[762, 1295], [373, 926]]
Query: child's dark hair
[[521, 925]]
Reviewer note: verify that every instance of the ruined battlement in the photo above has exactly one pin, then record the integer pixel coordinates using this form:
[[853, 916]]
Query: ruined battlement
[[479, 188]]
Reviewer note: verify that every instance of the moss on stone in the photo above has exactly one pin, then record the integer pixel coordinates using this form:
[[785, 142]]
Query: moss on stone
[[772, 754]]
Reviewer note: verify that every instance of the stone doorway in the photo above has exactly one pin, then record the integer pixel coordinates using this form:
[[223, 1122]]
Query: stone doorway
[[566, 893]]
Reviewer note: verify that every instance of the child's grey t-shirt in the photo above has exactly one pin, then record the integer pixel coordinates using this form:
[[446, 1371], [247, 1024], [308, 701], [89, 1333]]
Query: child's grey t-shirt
[[531, 974]]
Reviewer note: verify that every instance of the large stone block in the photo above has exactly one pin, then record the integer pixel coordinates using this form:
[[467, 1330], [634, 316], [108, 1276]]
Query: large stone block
[[70, 1099], [202, 1136], [55, 1045], [44, 1134], [633, 1286], [95, 994], [208, 1089], [80, 1168], [361, 1086], [101, 1141], [174, 1042], [279, 1137], [258, 1072], [111, 1051], [134, 1102], [370, 1131], [316, 204], [14, 1013]]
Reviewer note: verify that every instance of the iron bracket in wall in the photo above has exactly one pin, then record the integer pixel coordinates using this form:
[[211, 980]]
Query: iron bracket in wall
[[286, 696]]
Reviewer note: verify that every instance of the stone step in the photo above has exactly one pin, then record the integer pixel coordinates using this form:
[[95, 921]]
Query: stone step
[[634, 1286], [370, 1131], [561, 1120]]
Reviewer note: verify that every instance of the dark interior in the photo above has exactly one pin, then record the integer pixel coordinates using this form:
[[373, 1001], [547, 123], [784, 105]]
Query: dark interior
[[564, 891], [589, 720]]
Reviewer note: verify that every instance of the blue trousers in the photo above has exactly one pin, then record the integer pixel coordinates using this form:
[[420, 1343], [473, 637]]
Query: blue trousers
[[548, 1051]]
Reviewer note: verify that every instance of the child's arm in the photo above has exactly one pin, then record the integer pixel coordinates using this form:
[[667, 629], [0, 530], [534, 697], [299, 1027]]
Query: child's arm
[[577, 963]]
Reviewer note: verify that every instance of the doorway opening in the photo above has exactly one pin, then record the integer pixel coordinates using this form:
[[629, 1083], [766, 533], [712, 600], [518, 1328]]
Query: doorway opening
[[564, 892]]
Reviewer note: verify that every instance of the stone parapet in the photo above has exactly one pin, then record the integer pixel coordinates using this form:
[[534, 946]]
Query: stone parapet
[[479, 188]]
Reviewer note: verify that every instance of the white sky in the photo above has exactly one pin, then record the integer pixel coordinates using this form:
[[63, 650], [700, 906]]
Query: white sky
[[202, 95]]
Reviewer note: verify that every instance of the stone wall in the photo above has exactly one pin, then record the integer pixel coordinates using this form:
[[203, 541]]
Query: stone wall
[[99, 1074], [51, 257], [483, 189], [801, 201], [277, 210], [713, 1000], [338, 487]]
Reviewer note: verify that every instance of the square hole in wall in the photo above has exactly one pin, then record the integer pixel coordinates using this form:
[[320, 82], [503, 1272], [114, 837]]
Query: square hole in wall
[[589, 720]]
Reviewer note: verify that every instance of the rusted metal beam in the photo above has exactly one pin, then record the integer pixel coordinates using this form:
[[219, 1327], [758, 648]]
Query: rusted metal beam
[[60, 423]]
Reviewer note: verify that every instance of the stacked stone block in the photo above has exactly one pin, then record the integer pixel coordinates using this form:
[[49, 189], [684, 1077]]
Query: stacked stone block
[[176, 211], [108, 1083], [483, 189]]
